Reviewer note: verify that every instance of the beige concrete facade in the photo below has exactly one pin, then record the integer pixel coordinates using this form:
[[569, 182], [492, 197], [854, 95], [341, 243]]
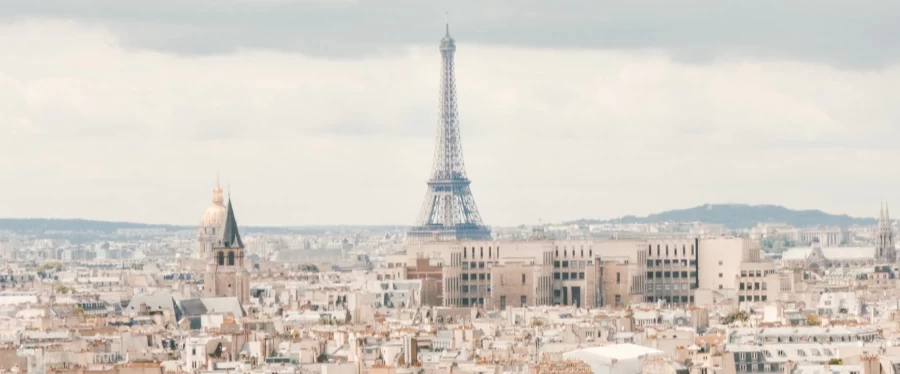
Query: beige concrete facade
[[516, 285], [586, 272], [758, 281]]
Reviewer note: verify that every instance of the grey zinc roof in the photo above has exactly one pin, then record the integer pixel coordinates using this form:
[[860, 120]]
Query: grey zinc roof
[[231, 236], [193, 307], [216, 305]]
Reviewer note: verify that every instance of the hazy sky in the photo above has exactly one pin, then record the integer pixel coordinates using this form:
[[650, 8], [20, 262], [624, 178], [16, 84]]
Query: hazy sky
[[324, 111]]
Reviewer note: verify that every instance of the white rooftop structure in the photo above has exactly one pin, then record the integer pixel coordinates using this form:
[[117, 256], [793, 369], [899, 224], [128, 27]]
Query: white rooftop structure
[[828, 369], [836, 303], [614, 359]]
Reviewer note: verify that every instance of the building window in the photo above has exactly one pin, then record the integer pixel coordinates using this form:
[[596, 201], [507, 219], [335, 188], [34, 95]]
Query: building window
[[580, 275], [618, 278], [720, 263], [524, 300], [523, 278], [464, 252], [231, 258], [465, 277], [720, 275], [221, 258]]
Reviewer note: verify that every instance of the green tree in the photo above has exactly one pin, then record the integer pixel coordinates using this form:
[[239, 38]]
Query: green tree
[[310, 268], [64, 289], [835, 361], [735, 316]]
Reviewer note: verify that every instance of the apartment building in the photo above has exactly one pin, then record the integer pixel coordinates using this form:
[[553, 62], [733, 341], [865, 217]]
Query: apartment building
[[672, 270]]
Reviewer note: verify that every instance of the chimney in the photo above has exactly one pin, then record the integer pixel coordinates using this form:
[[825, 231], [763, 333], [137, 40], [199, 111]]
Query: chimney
[[789, 367], [870, 364]]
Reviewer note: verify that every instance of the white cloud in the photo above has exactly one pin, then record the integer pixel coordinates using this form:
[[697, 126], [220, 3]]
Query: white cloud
[[98, 131]]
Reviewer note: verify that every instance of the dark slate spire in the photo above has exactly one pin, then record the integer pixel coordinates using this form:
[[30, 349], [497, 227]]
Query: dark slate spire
[[231, 238]]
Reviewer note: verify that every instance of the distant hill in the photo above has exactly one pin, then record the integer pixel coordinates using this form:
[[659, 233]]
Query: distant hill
[[41, 225], [44, 224], [743, 216]]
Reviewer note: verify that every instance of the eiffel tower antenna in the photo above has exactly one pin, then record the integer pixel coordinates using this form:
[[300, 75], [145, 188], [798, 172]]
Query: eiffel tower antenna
[[449, 211]]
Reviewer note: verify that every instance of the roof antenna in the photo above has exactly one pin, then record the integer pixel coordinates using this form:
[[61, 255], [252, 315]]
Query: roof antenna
[[447, 22]]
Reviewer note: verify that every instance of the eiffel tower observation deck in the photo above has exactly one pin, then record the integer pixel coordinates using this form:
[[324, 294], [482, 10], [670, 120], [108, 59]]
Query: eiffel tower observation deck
[[449, 212]]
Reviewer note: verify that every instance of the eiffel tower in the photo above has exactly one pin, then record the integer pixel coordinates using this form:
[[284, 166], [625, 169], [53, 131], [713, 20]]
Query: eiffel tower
[[449, 212]]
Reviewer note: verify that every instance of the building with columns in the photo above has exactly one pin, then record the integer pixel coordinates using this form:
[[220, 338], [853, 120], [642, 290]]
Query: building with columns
[[211, 224]]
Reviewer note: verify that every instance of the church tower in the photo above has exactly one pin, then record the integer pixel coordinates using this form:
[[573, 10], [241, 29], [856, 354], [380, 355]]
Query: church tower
[[225, 273], [884, 238]]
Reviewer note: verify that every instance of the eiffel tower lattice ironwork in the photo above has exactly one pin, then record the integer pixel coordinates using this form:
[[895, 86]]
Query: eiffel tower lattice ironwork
[[449, 211]]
